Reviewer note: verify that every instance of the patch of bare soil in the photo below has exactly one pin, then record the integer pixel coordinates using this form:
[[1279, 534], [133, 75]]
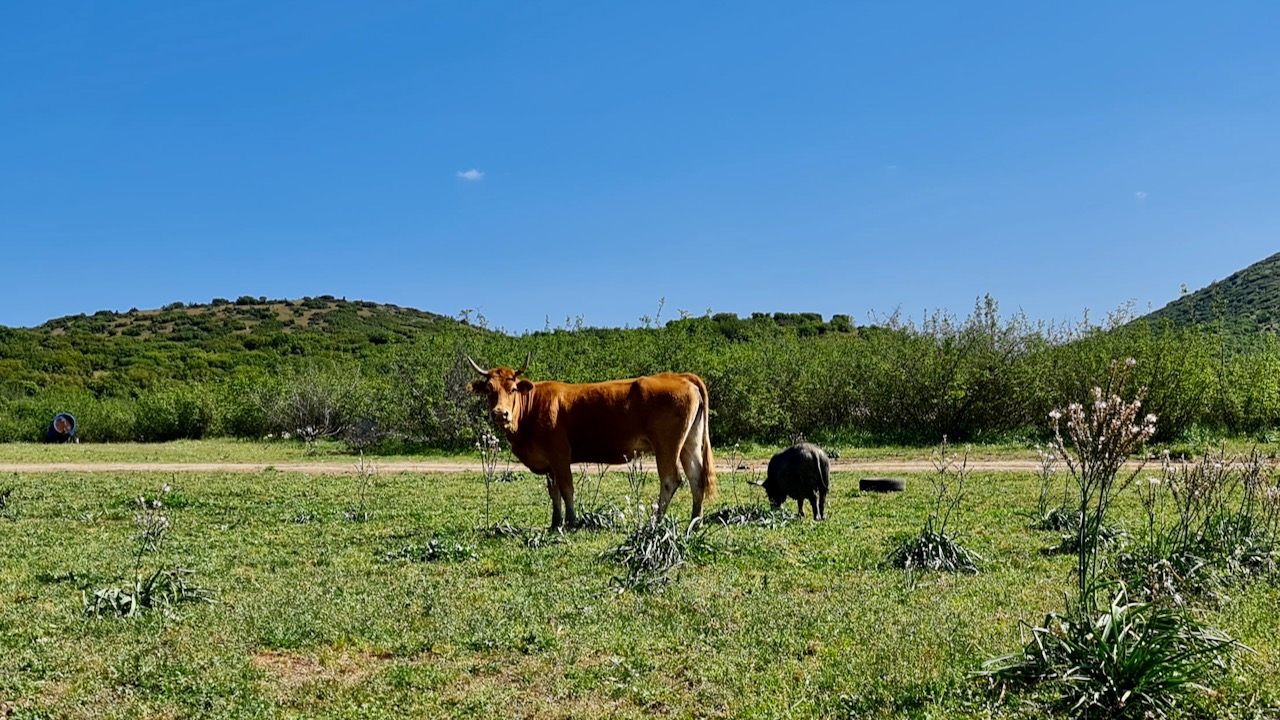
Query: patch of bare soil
[[290, 671]]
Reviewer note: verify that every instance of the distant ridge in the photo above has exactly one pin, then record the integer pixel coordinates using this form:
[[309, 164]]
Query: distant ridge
[[183, 322], [1245, 302]]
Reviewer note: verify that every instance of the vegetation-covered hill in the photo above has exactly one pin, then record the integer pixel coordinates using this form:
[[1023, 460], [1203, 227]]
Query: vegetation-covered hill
[[1244, 302], [112, 353]]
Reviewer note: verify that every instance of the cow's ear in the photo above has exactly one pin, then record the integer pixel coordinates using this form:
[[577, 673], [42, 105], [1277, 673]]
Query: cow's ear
[[478, 387], [524, 386]]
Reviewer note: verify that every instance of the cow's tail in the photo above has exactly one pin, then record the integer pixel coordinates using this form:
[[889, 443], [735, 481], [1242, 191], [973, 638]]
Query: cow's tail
[[704, 420]]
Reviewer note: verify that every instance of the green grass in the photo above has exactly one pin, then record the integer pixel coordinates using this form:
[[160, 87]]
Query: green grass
[[314, 619]]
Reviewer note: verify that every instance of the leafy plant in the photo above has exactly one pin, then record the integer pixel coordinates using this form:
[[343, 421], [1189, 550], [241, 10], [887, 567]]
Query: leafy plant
[[163, 589], [532, 538], [655, 550], [434, 550], [755, 515], [1132, 660], [935, 549]]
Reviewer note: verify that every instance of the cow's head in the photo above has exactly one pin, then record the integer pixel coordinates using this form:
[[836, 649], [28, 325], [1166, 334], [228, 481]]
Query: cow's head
[[503, 388]]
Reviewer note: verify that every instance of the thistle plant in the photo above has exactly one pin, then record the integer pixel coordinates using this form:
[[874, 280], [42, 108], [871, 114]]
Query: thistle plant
[[1121, 658], [1100, 438], [161, 589]]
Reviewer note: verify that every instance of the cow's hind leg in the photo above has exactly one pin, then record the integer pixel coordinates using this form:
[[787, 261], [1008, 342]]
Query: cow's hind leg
[[669, 475], [696, 472]]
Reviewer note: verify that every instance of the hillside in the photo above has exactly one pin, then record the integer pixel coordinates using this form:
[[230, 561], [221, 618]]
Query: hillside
[[118, 353], [113, 353], [256, 316], [1245, 302]]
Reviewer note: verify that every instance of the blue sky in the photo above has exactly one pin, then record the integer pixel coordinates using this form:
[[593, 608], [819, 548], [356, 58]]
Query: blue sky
[[538, 161]]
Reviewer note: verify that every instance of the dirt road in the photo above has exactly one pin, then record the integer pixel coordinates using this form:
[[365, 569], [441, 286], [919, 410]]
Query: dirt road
[[448, 466]]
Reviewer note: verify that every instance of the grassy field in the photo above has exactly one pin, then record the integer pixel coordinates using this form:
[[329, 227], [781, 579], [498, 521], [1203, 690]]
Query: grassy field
[[314, 619]]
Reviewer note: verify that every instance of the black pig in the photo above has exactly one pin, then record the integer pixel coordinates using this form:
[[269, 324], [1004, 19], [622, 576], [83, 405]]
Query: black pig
[[801, 472]]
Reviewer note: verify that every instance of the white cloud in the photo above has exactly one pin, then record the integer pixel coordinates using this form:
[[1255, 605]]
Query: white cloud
[[1139, 195], [472, 175]]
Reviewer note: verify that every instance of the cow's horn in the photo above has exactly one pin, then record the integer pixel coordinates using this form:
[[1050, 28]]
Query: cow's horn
[[474, 366], [525, 366]]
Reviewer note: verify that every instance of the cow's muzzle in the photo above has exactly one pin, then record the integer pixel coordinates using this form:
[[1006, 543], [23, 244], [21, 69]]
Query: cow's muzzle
[[500, 417]]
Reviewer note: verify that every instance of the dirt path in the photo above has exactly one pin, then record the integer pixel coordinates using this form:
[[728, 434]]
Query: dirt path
[[448, 466]]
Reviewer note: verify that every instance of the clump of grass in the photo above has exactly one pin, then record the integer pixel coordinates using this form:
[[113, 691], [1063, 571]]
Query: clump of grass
[[533, 538], [600, 518], [1131, 661], [163, 589], [652, 554], [935, 549], [594, 513], [434, 550], [751, 515], [160, 590], [1056, 519], [6, 504]]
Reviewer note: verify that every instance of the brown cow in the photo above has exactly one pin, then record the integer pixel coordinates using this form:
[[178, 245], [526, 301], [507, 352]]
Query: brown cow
[[552, 425]]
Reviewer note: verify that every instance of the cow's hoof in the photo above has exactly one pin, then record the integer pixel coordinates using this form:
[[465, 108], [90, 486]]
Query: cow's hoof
[[882, 484]]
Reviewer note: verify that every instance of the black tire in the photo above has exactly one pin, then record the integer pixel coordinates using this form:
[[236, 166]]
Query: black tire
[[882, 484]]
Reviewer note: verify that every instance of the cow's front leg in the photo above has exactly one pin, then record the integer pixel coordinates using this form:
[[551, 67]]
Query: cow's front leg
[[553, 490], [562, 478]]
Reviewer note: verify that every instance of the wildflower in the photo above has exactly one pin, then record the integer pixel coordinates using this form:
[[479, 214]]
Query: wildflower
[[1130, 362], [1153, 480], [1053, 415]]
